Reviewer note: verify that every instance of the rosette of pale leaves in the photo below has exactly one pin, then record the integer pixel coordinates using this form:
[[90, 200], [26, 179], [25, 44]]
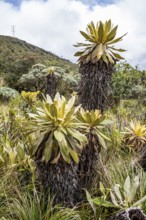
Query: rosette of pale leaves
[[135, 136], [95, 121], [122, 196], [51, 70], [127, 195], [101, 39], [59, 130], [12, 153]]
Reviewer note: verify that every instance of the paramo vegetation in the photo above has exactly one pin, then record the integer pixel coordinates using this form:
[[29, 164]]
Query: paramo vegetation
[[73, 143]]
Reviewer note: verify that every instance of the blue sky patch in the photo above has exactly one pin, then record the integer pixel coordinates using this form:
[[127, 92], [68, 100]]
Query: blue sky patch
[[14, 2]]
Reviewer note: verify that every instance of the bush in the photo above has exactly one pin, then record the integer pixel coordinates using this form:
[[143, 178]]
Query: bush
[[7, 93], [36, 80], [125, 81]]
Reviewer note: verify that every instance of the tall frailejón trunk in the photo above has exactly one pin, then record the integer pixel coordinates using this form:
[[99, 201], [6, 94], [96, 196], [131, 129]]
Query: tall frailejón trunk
[[94, 85], [50, 87], [96, 59], [93, 94], [61, 180], [89, 164]]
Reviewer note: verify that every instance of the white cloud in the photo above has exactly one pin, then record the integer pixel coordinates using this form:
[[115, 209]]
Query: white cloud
[[54, 24]]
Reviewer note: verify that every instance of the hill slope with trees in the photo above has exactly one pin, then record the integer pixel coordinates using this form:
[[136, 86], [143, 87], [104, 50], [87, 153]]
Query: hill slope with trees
[[18, 56]]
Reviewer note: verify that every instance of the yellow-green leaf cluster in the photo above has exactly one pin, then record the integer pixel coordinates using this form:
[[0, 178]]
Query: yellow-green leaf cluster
[[96, 122], [29, 96], [136, 135], [13, 154], [101, 39], [59, 130]]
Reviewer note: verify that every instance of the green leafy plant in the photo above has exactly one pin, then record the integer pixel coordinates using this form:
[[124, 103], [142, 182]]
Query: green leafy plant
[[101, 200], [119, 197], [101, 204], [126, 196], [14, 145], [60, 130]]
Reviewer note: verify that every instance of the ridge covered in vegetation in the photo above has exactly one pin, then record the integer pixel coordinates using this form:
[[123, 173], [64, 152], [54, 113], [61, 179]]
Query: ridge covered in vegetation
[[18, 56]]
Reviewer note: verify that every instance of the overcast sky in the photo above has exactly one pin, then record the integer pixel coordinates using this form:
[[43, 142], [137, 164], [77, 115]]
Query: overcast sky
[[54, 24]]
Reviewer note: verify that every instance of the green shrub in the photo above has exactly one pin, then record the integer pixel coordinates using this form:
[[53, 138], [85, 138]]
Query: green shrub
[[7, 93], [124, 81]]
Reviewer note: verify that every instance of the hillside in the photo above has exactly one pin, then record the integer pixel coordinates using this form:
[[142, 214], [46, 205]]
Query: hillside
[[17, 57]]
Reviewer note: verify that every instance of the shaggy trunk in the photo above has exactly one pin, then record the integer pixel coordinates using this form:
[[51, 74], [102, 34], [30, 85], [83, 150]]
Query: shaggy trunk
[[50, 87], [89, 164], [130, 214], [93, 94], [66, 181], [94, 85], [61, 180]]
